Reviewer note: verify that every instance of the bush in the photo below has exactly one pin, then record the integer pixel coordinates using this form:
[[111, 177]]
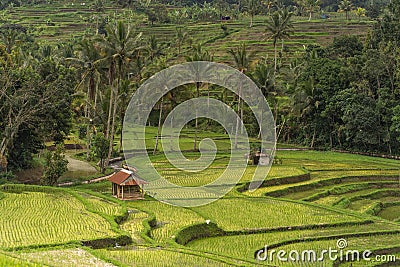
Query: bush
[[198, 231], [7, 176], [56, 165], [82, 132], [121, 240]]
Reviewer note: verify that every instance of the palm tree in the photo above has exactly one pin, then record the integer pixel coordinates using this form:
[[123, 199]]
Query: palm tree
[[242, 61], [161, 63], [345, 6], [311, 6], [153, 47], [120, 46], [89, 62], [253, 7], [264, 77], [279, 27], [98, 6], [269, 4], [241, 57], [10, 36], [198, 54], [360, 12], [180, 36], [307, 102]]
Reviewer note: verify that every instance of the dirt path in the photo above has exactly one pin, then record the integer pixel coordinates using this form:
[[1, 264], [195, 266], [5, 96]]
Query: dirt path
[[87, 182], [78, 165]]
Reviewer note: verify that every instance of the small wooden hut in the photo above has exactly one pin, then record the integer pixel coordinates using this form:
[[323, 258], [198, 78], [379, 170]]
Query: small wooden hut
[[126, 185]]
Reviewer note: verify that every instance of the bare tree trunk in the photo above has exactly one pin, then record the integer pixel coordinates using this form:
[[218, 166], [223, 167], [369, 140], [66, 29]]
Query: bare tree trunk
[[120, 138], [111, 136], [241, 118], [313, 139], [275, 58], [159, 127], [261, 123], [238, 118], [87, 115], [111, 82], [3, 146], [110, 111], [196, 119]]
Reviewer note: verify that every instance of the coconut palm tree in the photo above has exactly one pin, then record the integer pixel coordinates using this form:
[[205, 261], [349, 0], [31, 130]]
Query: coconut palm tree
[[241, 58], [88, 61], [307, 101], [264, 77], [345, 6], [252, 7], [180, 36], [311, 6], [279, 27], [153, 47], [120, 46], [198, 54], [11, 35]]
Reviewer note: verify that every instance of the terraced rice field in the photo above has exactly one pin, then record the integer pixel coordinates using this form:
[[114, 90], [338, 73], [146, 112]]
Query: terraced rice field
[[102, 205], [267, 213], [35, 218], [134, 225], [169, 218], [9, 260], [244, 246], [158, 257], [64, 21], [342, 204]]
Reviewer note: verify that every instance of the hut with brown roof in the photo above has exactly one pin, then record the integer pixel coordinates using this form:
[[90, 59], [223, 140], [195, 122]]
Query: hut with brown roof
[[126, 185]]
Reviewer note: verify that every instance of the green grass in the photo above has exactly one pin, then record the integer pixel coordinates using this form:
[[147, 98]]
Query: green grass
[[37, 218]]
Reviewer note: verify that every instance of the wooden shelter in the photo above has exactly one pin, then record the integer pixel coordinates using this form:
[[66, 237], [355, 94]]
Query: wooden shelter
[[127, 185]]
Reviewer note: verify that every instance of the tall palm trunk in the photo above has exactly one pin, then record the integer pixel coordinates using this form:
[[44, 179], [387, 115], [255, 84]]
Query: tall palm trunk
[[275, 56], [238, 116], [112, 133], [196, 119], [159, 127], [313, 138], [111, 81], [112, 110]]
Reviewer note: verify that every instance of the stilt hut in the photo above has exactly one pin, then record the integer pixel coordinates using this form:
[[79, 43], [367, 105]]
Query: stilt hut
[[126, 185]]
